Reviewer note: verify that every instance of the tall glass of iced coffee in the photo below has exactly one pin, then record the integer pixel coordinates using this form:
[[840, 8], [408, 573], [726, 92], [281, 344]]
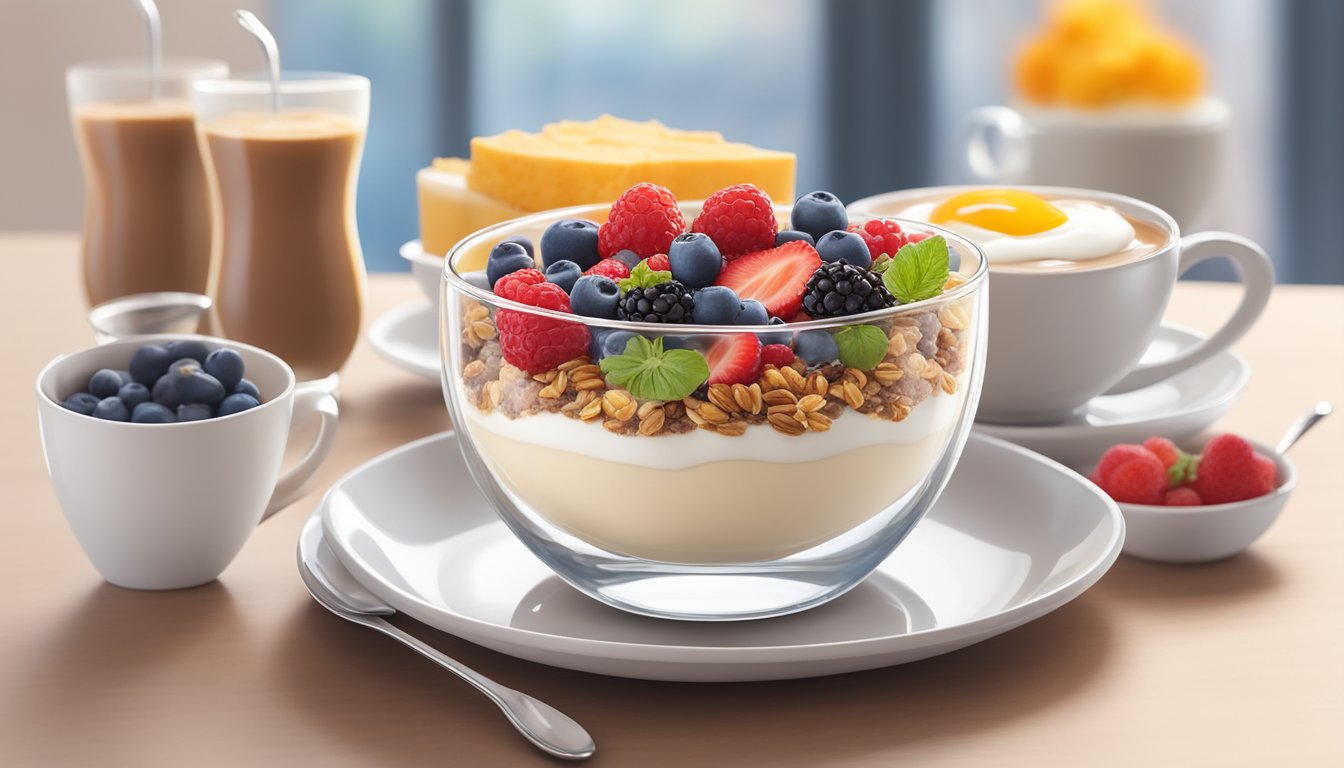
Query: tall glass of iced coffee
[[146, 208], [288, 272]]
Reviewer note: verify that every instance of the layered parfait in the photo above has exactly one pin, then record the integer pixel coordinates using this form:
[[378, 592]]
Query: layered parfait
[[726, 382]]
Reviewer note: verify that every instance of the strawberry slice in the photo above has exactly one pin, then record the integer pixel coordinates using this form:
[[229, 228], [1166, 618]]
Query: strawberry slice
[[734, 359], [775, 277]]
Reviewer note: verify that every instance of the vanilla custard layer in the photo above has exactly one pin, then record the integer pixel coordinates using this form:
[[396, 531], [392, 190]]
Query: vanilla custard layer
[[727, 510]]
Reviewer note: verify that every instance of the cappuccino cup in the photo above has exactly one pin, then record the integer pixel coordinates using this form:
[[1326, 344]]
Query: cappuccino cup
[[1169, 157], [1063, 331]]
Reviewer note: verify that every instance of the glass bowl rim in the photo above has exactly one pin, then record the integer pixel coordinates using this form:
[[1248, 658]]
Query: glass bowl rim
[[972, 284]]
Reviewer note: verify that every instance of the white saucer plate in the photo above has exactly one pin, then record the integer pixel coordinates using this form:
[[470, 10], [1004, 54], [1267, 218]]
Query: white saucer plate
[[413, 529], [1178, 408], [408, 337]]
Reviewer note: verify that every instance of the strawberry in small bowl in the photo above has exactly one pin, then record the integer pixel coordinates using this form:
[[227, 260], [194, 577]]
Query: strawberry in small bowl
[[1197, 504], [712, 410]]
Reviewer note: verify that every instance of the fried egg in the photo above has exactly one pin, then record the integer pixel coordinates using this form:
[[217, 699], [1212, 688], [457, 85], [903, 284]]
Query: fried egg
[[1012, 225]]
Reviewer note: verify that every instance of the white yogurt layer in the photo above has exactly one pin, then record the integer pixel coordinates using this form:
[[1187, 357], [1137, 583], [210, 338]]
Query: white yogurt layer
[[850, 431]]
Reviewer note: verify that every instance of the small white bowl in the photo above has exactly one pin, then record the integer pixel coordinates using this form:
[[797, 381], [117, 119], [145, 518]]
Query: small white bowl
[[427, 268], [1209, 532]]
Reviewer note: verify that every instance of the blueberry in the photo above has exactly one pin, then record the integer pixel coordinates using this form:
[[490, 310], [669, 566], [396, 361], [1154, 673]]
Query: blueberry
[[524, 241], [149, 363], [817, 213], [185, 382], [595, 338], [816, 347], [506, 258], [125, 376], [201, 387], [152, 413], [752, 313], [849, 247], [564, 273], [570, 240], [246, 387], [226, 366], [783, 337], [111, 409], [683, 342], [194, 412], [104, 383], [614, 343], [80, 402], [196, 350], [716, 305], [789, 235], [695, 259], [133, 394], [594, 296], [627, 257], [236, 404]]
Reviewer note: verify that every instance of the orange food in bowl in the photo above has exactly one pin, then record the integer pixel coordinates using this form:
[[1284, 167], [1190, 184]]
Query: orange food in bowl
[[1095, 54]]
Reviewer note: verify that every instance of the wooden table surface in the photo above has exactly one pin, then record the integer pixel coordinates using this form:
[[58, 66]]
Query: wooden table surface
[[1238, 662]]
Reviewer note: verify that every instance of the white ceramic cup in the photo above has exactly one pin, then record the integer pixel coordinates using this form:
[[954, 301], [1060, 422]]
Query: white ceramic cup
[[1058, 339], [1168, 158], [166, 506]]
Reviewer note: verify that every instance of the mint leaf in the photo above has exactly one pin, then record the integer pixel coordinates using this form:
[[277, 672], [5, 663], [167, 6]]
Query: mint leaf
[[918, 271], [861, 346], [643, 277], [881, 263], [652, 373]]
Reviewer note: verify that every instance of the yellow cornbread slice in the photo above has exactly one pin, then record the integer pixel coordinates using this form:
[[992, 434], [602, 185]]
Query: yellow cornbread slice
[[449, 211], [571, 163]]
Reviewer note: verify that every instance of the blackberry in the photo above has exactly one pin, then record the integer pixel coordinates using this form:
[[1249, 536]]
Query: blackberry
[[666, 302], [839, 288]]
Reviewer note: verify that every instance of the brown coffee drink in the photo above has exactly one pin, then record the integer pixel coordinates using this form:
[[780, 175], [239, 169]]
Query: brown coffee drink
[[289, 274], [147, 212]]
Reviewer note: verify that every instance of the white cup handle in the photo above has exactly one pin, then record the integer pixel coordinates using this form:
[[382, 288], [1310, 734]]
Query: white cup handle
[[1013, 154], [310, 397], [1257, 281]]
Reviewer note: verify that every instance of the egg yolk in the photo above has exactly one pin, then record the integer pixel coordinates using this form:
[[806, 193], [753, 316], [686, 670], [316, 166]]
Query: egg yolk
[[1008, 211]]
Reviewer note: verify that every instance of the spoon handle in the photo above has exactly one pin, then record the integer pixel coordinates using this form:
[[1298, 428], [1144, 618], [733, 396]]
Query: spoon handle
[[548, 728], [1300, 427]]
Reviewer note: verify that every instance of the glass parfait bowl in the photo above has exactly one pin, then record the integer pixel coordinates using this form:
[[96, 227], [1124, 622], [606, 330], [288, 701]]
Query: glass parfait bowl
[[738, 501]]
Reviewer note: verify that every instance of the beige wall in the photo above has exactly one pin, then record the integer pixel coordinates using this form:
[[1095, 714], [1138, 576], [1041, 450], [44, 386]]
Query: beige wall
[[40, 186]]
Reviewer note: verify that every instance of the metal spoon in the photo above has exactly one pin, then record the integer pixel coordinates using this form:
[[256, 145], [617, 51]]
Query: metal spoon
[[337, 591], [1300, 427]]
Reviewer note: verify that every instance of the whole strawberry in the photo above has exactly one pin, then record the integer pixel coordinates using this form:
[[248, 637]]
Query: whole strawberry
[[644, 219], [1230, 470], [739, 219], [533, 343], [1131, 474]]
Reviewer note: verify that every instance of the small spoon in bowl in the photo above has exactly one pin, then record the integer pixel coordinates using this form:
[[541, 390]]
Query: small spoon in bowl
[[1302, 425]]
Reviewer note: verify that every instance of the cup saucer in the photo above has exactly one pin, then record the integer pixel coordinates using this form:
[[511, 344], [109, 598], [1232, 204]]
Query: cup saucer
[[408, 337], [413, 529], [1178, 407]]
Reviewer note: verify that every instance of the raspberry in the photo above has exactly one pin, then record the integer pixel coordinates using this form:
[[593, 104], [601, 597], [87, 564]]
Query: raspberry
[[659, 263], [778, 355], [644, 219], [739, 219], [1229, 471], [1185, 496], [1163, 449], [616, 270], [881, 235], [1131, 474], [531, 342], [511, 285]]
